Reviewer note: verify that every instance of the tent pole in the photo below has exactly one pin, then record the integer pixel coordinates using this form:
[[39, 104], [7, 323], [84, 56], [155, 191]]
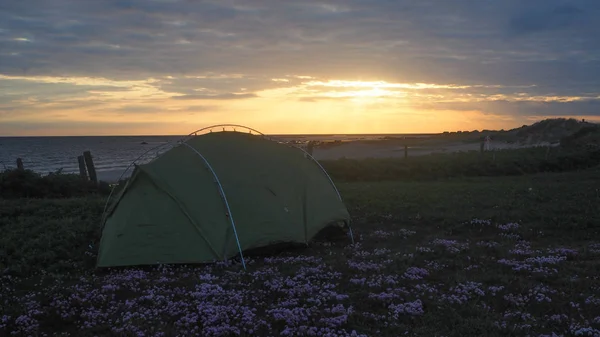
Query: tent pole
[[224, 198], [351, 233], [132, 164], [332, 184]]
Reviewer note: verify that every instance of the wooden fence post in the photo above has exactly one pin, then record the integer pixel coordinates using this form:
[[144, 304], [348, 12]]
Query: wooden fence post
[[20, 164], [87, 155], [481, 146], [82, 170], [405, 151]]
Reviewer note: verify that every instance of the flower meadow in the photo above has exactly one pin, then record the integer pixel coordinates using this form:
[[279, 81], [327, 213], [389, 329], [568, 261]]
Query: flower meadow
[[403, 276]]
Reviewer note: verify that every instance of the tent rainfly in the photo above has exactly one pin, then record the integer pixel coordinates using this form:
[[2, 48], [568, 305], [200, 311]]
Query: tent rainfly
[[215, 195]]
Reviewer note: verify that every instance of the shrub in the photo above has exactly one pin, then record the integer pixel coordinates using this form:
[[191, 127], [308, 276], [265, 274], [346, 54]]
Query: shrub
[[17, 183], [465, 164], [589, 135]]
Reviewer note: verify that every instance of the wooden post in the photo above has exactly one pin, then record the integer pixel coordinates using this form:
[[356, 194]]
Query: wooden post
[[481, 146], [87, 155], [20, 164], [82, 170], [405, 151]]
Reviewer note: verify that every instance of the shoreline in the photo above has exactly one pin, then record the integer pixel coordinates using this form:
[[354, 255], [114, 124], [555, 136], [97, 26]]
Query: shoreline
[[112, 176], [360, 149]]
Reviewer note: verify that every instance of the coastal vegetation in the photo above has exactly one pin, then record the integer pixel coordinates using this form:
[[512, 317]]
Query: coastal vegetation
[[461, 244], [17, 183], [480, 256]]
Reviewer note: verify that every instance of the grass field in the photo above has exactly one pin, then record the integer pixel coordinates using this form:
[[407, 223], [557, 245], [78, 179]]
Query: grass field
[[501, 256]]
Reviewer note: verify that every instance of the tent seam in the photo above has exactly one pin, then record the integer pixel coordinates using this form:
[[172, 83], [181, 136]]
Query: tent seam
[[223, 198], [181, 207]]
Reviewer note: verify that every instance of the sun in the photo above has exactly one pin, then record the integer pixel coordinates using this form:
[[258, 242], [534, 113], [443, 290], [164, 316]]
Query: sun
[[371, 93], [356, 91]]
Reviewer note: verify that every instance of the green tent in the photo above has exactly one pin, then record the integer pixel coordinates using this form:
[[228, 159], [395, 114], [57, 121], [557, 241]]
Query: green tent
[[214, 196]]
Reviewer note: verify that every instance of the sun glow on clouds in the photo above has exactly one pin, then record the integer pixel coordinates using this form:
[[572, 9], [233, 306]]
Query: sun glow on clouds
[[381, 84], [284, 104], [92, 81], [362, 91]]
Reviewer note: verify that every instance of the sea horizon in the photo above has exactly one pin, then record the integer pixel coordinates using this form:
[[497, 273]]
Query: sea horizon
[[287, 135], [113, 154]]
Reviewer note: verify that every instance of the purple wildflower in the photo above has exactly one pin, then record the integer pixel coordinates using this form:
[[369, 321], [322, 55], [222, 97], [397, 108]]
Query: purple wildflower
[[546, 259], [563, 251], [481, 222], [508, 226], [593, 300], [510, 236], [424, 250], [414, 308], [463, 292], [364, 266], [493, 290], [517, 300], [404, 233], [487, 244], [381, 234], [451, 246], [523, 248], [579, 330], [415, 273]]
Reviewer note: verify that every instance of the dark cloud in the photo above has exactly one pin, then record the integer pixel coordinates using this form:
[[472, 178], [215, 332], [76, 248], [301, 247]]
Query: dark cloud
[[143, 109], [153, 109], [587, 107], [200, 108], [221, 84], [9, 128], [541, 19], [19, 89], [552, 44]]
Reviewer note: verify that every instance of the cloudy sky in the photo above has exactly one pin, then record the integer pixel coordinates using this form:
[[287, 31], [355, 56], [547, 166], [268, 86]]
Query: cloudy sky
[[70, 67]]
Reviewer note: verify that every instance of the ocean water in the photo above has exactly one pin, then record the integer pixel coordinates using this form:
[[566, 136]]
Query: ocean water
[[111, 154], [49, 154]]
